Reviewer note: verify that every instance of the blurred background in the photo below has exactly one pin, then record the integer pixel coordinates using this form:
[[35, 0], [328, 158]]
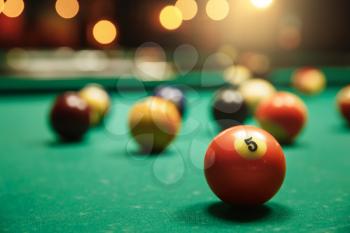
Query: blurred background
[[113, 38]]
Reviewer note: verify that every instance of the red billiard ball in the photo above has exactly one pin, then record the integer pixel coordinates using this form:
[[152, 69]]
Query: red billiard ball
[[284, 116], [309, 80], [70, 116], [343, 102], [244, 165]]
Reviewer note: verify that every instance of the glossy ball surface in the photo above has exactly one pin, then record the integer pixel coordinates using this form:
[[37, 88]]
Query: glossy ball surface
[[256, 90], [244, 165], [174, 95], [284, 115], [98, 100], [229, 108], [70, 116], [343, 103], [309, 80], [154, 123]]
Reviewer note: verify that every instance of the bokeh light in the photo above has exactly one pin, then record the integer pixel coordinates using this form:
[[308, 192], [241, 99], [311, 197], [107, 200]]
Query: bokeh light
[[217, 9], [104, 32], [188, 8], [13, 8], [290, 32], [67, 8], [150, 62], [2, 4], [185, 58], [289, 37], [258, 63], [261, 4], [170, 17]]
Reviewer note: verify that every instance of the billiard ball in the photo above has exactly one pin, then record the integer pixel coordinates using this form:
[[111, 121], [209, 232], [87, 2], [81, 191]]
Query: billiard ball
[[237, 74], [256, 90], [154, 123], [309, 80], [70, 116], [343, 102], [244, 166], [229, 108], [174, 95], [98, 100], [284, 115]]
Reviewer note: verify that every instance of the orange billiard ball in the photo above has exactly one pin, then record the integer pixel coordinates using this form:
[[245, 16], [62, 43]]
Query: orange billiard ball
[[284, 116], [343, 102], [244, 165], [154, 124]]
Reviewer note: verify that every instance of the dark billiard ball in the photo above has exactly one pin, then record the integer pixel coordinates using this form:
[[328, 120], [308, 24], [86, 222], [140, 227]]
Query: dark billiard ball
[[244, 166], [229, 108], [70, 116], [174, 95], [154, 124], [283, 115]]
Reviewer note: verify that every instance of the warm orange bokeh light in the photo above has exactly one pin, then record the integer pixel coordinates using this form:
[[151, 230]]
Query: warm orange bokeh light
[[13, 8], [261, 4], [2, 4], [217, 9], [104, 32], [67, 8], [188, 8], [170, 17]]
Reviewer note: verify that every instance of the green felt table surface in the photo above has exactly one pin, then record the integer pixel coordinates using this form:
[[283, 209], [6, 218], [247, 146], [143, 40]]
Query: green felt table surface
[[103, 185]]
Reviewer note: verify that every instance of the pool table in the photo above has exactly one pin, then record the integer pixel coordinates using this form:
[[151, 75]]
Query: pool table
[[103, 184]]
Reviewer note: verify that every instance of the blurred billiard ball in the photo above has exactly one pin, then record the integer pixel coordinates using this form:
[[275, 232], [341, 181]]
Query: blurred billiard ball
[[244, 166], [229, 108], [256, 90], [309, 80], [70, 116], [237, 74], [284, 115], [343, 103], [154, 123], [173, 94], [98, 100]]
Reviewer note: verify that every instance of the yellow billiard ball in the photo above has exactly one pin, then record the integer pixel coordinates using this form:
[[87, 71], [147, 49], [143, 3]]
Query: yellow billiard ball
[[256, 90], [154, 123], [98, 100]]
